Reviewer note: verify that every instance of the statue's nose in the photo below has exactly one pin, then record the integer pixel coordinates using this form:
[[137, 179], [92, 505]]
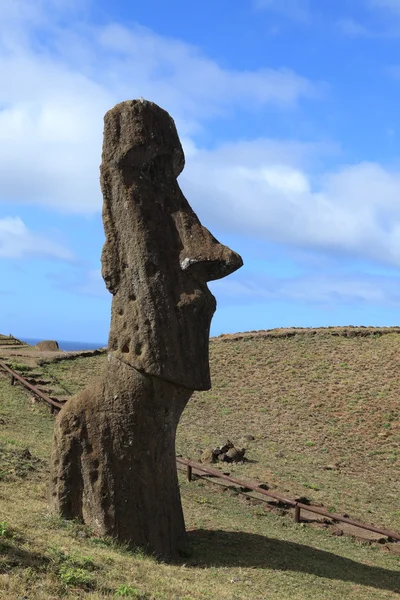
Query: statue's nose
[[204, 258]]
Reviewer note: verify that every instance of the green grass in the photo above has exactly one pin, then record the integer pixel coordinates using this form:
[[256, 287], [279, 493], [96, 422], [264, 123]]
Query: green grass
[[237, 549]]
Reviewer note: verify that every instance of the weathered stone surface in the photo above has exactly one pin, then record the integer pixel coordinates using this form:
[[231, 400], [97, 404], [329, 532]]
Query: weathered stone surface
[[207, 456], [157, 257], [48, 345], [235, 455], [113, 460], [226, 452]]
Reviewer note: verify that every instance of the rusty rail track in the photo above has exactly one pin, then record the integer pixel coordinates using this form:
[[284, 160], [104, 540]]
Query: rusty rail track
[[54, 405], [298, 506], [191, 465]]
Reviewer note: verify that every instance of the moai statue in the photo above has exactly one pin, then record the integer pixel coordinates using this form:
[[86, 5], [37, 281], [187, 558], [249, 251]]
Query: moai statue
[[113, 460]]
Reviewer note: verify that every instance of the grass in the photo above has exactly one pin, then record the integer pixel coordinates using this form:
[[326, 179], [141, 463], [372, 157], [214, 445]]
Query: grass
[[336, 428], [237, 549]]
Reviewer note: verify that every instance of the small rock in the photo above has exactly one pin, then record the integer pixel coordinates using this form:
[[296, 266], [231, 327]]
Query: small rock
[[235, 455], [264, 486], [26, 454], [207, 456], [303, 500], [48, 345], [382, 540], [82, 534], [226, 446], [249, 438], [336, 531]]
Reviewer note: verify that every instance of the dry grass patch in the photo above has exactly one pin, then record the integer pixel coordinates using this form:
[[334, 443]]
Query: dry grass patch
[[310, 403]]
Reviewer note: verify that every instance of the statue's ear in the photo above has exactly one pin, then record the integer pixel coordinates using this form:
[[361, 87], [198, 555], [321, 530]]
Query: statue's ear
[[110, 267]]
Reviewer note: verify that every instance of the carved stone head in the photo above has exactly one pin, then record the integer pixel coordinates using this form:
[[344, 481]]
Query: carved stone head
[[157, 257]]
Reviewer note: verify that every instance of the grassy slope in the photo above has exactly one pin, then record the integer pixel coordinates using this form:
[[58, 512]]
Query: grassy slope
[[297, 396], [311, 402]]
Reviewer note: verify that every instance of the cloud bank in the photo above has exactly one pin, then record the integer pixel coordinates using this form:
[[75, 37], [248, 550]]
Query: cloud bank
[[51, 113], [17, 241]]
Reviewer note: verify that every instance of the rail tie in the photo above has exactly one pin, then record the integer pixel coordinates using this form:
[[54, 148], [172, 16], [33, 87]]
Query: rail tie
[[192, 465], [298, 506], [14, 376]]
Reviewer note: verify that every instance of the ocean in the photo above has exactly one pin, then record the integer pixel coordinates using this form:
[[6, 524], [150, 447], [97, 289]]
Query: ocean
[[67, 345]]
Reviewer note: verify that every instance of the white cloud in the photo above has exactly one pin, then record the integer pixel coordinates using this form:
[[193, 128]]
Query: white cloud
[[353, 28], [298, 10], [93, 285], [51, 113], [52, 108], [17, 241], [354, 210], [391, 5], [195, 86], [87, 283], [317, 289], [393, 71]]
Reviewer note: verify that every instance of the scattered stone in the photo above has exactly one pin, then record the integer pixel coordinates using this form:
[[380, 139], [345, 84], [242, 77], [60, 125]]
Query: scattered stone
[[207, 456], [48, 346], [303, 500], [336, 531], [82, 534], [226, 446], [264, 486], [235, 455], [224, 453]]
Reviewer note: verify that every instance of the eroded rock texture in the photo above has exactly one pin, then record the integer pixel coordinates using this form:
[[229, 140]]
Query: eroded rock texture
[[113, 460], [49, 345]]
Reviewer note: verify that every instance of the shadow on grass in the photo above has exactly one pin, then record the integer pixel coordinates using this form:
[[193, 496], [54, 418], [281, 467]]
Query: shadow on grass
[[238, 549], [11, 556]]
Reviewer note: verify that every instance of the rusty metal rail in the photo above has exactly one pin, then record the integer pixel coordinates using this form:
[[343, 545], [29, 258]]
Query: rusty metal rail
[[192, 465], [298, 506], [14, 376]]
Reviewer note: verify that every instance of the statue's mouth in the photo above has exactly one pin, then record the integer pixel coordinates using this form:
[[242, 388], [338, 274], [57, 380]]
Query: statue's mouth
[[199, 300]]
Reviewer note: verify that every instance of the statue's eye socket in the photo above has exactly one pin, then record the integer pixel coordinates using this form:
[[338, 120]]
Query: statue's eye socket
[[158, 164]]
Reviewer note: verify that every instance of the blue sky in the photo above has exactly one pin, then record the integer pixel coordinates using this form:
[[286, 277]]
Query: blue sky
[[288, 114]]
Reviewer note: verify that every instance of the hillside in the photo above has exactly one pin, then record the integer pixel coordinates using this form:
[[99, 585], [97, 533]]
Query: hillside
[[9, 340], [322, 406]]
